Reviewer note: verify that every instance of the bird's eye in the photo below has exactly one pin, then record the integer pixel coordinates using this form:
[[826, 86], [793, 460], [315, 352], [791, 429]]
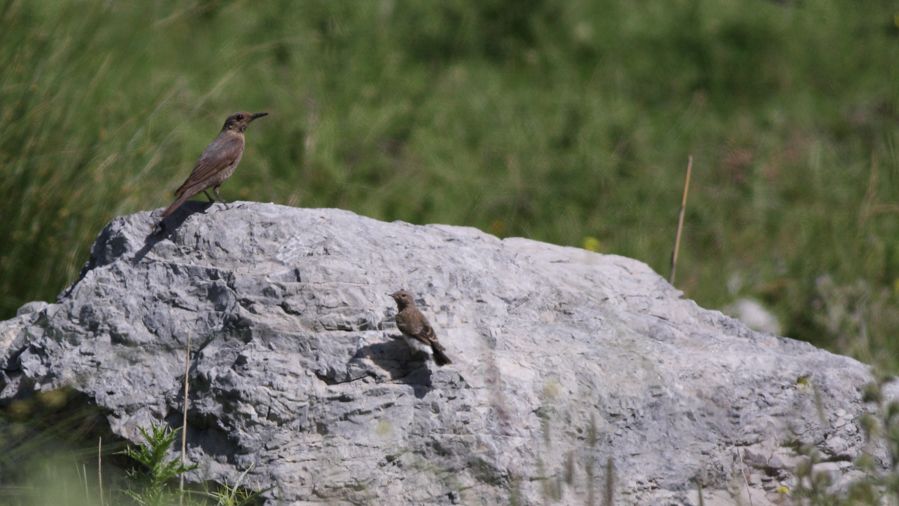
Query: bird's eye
[[240, 116]]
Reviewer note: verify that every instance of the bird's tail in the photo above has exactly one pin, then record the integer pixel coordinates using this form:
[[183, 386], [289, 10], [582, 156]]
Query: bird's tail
[[175, 205], [440, 357]]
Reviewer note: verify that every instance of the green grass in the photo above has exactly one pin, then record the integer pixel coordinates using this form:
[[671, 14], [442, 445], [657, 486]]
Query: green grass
[[52, 454], [552, 120]]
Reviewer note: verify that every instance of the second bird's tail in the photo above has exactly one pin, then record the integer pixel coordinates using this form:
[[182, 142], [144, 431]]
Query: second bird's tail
[[175, 205], [160, 226], [440, 357]]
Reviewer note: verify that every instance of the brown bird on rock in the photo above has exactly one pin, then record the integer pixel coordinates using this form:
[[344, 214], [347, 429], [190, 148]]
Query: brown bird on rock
[[417, 332], [217, 162]]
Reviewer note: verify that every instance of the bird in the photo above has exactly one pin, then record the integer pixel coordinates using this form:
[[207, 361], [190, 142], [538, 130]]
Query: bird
[[217, 162], [417, 332]]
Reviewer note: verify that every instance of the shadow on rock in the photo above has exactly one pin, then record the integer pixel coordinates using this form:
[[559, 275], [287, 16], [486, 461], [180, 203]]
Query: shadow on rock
[[401, 364], [203, 432], [165, 228]]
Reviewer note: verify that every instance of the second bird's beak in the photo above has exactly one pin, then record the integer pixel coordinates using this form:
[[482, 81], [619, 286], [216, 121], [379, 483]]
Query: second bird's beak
[[258, 115]]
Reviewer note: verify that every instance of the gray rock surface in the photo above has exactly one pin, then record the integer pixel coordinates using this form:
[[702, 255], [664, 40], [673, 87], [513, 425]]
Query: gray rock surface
[[567, 364]]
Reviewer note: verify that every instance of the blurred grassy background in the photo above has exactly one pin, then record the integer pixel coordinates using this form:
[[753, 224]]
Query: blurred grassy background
[[568, 122]]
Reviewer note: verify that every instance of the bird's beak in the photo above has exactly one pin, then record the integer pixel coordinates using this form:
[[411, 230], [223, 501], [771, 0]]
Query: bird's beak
[[258, 115], [392, 295]]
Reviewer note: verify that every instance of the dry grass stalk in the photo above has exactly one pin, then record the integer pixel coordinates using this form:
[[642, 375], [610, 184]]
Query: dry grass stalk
[[184, 419], [100, 469], [680, 221]]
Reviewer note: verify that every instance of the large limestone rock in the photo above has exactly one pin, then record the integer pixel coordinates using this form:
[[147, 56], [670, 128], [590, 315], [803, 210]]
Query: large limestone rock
[[572, 372]]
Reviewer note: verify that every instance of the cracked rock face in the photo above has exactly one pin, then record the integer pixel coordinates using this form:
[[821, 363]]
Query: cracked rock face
[[567, 365]]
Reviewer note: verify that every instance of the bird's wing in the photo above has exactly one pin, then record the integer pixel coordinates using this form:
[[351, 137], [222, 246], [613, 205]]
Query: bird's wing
[[428, 334], [220, 153], [408, 324], [414, 324]]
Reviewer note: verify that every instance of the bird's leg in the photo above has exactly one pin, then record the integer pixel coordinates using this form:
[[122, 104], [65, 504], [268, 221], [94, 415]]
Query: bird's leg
[[211, 200], [215, 190]]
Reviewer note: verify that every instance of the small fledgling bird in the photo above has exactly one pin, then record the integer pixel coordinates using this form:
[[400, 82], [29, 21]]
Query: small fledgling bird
[[417, 332], [217, 162]]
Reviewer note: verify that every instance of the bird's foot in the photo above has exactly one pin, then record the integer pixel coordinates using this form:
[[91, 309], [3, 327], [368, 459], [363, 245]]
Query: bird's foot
[[215, 190]]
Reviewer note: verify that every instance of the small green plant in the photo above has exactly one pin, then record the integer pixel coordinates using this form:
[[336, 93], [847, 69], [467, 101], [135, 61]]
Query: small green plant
[[234, 495], [157, 471]]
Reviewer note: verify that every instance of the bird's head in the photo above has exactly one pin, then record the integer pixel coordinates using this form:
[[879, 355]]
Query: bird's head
[[402, 298], [238, 121]]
